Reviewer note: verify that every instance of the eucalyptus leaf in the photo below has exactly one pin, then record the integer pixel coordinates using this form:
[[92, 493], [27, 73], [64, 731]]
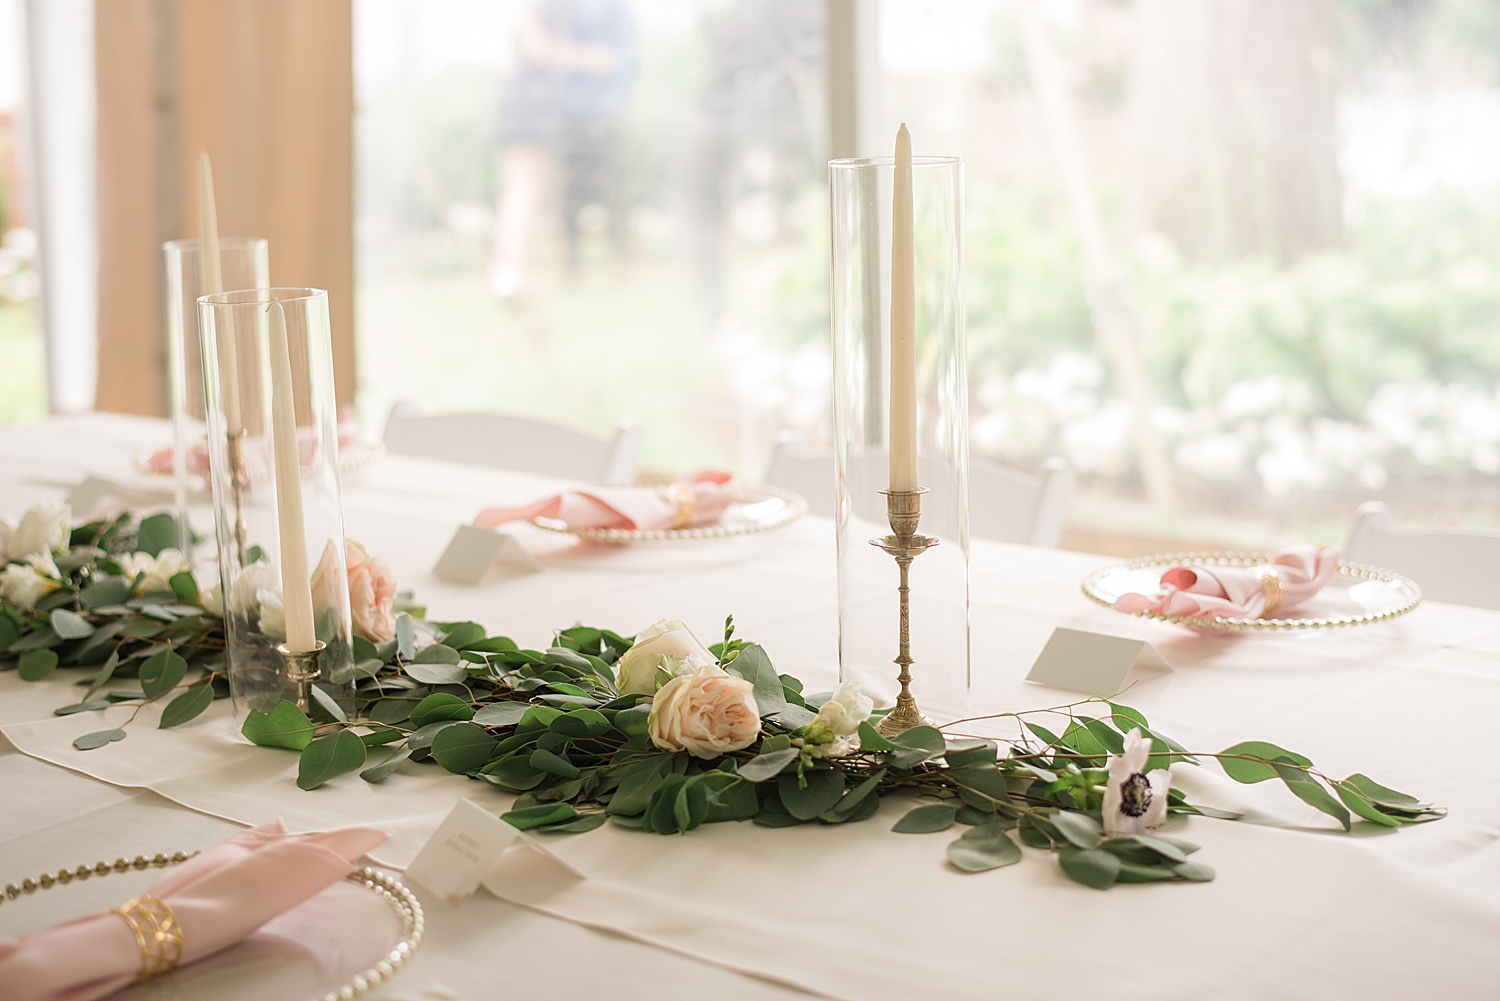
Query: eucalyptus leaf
[[284, 726], [539, 816], [384, 770], [500, 713], [330, 704], [824, 787], [1080, 829], [1250, 761], [89, 741], [463, 747], [440, 706], [579, 825], [88, 707], [329, 757], [926, 819], [187, 705], [754, 666], [34, 665], [406, 636], [156, 533], [768, 766], [431, 673], [984, 847], [1091, 867], [161, 672], [70, 625]]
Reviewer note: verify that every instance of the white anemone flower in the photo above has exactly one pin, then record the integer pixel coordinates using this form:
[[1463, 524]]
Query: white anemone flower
[[1135, 801]]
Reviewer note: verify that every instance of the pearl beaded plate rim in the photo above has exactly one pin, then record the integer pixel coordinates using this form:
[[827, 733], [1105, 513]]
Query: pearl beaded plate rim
[[1369, 594], [758, 508], [408, 912]]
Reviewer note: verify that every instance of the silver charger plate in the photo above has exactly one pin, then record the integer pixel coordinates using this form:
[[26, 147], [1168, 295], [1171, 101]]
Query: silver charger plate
[[1357, 595], [757, 509]]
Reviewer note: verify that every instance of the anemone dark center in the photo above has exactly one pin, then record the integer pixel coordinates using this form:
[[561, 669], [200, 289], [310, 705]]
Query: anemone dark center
[[1135, 795]]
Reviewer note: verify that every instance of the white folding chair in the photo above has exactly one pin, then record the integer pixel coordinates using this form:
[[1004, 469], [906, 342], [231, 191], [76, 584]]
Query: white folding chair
[[1462, 567], [1004, 504], [1011, 506], [505, 441]]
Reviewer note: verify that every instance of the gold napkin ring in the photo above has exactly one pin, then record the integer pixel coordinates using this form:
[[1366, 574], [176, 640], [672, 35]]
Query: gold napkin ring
[[157, 933], [686, 502], [1271, 586]]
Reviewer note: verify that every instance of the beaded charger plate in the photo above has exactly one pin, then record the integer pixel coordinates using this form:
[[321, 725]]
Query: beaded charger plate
[[1358, 594], [340, 944], [757, 509]]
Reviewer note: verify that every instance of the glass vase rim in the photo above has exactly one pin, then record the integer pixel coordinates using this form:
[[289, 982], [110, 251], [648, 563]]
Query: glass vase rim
[[236, 242], [917, 162], [261, 296]]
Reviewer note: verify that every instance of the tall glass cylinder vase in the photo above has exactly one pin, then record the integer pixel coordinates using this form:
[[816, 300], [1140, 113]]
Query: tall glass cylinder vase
[[244, 263], [273, 456], [870, 619]]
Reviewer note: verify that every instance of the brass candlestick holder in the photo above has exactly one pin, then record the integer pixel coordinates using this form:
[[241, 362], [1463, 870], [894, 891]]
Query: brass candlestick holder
[[904, 509], [239, 484], [303, 669]]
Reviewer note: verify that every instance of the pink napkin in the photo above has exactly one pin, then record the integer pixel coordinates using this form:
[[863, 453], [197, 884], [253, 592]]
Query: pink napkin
[[196, 459], [219, 897], [1236, 592], [631, 508]]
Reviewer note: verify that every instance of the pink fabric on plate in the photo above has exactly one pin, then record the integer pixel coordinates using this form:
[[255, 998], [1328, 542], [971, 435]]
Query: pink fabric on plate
[[160, 461], [1235, 592], [630, 508], [219, 897]]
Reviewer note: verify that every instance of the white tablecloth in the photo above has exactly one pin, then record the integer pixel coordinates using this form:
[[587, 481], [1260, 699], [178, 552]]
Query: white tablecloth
[[857, 911]]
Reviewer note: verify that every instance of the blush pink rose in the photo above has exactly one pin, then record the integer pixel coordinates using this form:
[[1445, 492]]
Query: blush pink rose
[[706, 713], [372, 590], [372, 594]]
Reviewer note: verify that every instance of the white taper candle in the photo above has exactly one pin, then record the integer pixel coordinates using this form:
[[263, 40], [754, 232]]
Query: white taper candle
[[211, 280], [296, 582], [903, 435]]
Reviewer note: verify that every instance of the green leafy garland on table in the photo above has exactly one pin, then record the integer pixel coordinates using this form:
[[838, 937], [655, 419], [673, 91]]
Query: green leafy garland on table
[[571, 730]]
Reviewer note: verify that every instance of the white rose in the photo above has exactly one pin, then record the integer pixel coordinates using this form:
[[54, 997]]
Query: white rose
[[6, 531], [26, 583], [706, 713], [842, 714], [159, 570], [212, 599], [637, 666], [256, 592], [43, 530]]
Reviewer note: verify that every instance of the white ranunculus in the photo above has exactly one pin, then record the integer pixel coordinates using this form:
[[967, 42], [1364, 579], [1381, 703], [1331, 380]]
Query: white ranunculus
[[43, 530], [212, 599], [842, 714], [637, 667], [27, 583], [1135, 801], [6, 531], [159, 569], [256, 593]]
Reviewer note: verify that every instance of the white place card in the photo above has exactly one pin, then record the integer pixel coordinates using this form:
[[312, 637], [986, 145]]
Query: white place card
[[475, 551], [465, 848], [1093, 663]]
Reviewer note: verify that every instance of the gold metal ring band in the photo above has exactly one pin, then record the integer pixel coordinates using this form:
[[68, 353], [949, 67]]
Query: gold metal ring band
[[157, 933], [1271, 586], [686, 502]]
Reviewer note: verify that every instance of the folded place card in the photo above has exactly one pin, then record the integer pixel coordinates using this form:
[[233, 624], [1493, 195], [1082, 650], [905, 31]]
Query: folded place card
[[475, 551], [1081, 661], [465, 848]]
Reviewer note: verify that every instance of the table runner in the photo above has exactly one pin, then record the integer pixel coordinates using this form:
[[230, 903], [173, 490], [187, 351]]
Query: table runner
[[827, 908]]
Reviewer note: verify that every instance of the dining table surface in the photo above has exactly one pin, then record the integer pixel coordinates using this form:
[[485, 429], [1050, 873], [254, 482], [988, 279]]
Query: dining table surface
[[1299, 908]]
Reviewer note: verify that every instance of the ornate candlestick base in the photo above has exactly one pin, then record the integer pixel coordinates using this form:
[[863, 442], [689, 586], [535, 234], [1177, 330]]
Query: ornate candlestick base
[[904, 509], [303, 669]]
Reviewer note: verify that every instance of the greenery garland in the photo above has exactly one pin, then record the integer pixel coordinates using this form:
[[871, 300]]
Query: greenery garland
[[553, 727]]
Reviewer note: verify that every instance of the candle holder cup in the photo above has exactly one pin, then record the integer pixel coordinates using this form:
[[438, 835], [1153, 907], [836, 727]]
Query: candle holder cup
[[244, 263], [918, 616], [265, 664]]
